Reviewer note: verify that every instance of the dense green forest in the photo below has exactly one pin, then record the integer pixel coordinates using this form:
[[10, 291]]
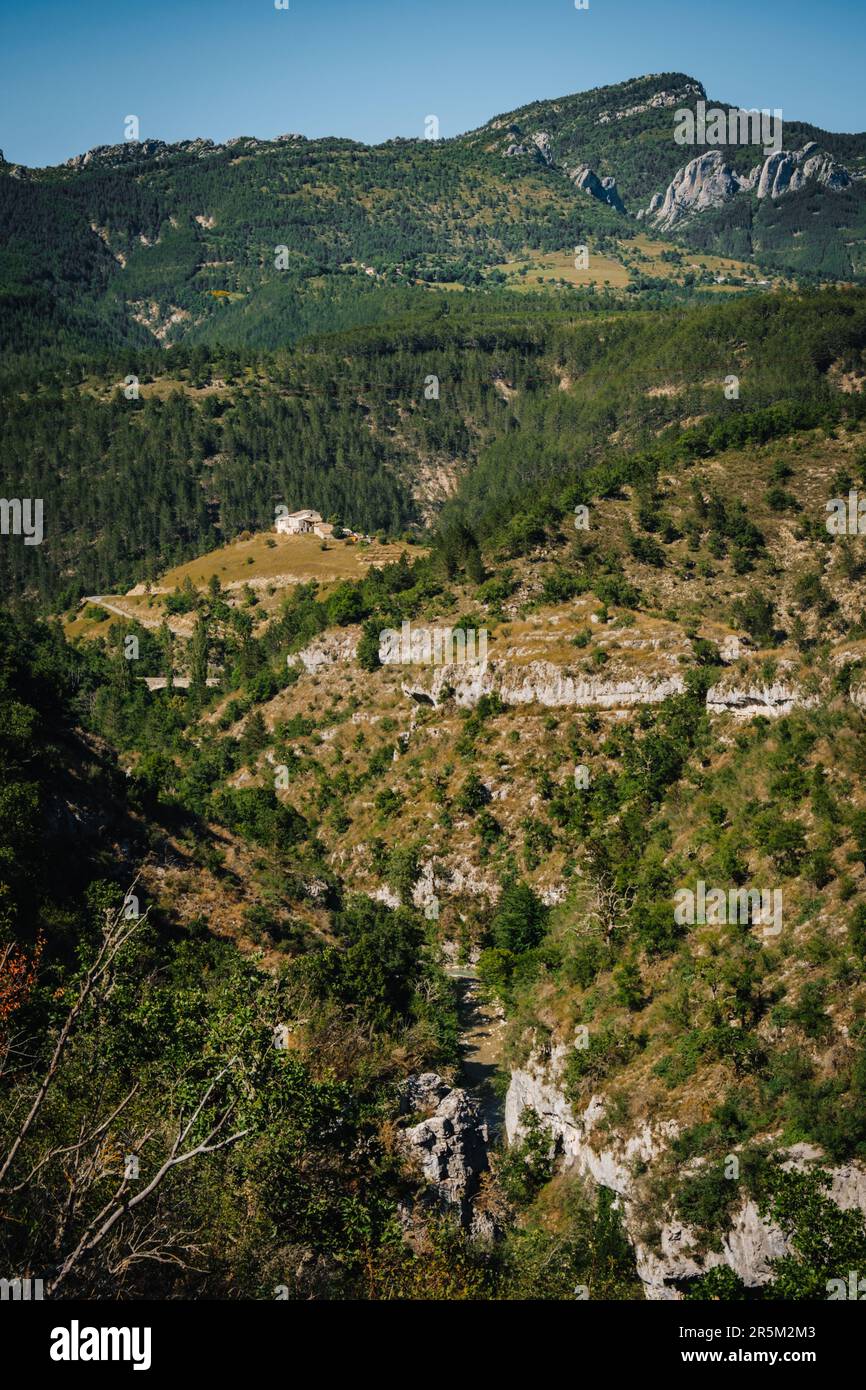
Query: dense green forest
[[779, 350], [133, 485], [341, 424]]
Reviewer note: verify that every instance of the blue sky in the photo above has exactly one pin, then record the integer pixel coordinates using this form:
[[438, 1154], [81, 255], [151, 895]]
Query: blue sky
[[74, 69]]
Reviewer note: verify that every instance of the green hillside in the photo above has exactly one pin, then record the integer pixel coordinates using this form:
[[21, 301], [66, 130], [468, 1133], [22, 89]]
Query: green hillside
[[166, 243], [336, 963]]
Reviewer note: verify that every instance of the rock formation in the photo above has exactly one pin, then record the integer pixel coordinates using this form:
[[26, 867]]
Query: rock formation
[[750, 1243], [745, 702], [535, 682], [543, 683], [325, 651], [449, 1144], [539, 144], [707, 181], [604, 190], [786, 171]]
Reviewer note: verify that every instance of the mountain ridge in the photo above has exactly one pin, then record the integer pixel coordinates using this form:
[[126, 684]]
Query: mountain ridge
[[684, 86], [258, 242]]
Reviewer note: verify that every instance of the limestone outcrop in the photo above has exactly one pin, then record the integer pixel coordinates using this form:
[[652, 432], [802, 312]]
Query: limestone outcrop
[[538, 145], [449, 1144], [326, 650], [707, 181], [786, 171], [534, 682], [605, 190], [544, 683], [751, 1242], [744, 702]]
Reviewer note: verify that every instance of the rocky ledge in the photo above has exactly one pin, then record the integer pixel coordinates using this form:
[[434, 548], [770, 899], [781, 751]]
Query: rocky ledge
[[534, 682], [772, 701], [543, 683]]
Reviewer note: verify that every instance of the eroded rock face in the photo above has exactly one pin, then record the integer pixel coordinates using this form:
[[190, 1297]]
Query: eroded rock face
[[449, 1144], [459, 877], [751, 1242], [535, 682], [132, 151], [705, 182], [422, 1092], [543, 683], [539, 144], [708, 182], [605, 190], [326, 651], [658, 100], [535, 1088], [771, 701], [541, 141], [787, 170]]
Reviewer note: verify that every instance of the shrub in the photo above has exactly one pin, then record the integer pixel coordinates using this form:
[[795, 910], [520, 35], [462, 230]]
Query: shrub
[[525, 1166]]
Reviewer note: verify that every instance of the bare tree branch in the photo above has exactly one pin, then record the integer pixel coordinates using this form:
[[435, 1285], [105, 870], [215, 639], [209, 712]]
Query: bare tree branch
[[117, 932], [119, 1205]]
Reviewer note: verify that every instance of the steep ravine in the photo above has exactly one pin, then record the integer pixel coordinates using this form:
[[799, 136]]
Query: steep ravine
[[451, 1144], [482, 1028], [452, 1127]]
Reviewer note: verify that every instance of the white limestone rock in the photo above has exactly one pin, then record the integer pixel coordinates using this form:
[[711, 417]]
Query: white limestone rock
[[535, 682], [326, 650], [449, 1145], [745, 702], [705, 182], [751, 1242], [605, 190], [708, 182]]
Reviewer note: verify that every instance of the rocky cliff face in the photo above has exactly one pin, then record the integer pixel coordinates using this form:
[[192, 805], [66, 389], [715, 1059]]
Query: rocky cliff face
[[705, 182], [787, 171], [326, 650], [449, 1145], [133, 151], [744, 702], [538, 145], [535, 682], [656, 102], [708, 182], [543, 683], [749, 1245], [555, 686], [604, 190]]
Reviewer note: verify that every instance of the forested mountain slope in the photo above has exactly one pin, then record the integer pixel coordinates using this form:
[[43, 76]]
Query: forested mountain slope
[[379, 427], [263, 842], [252, 812], [260, 241]]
